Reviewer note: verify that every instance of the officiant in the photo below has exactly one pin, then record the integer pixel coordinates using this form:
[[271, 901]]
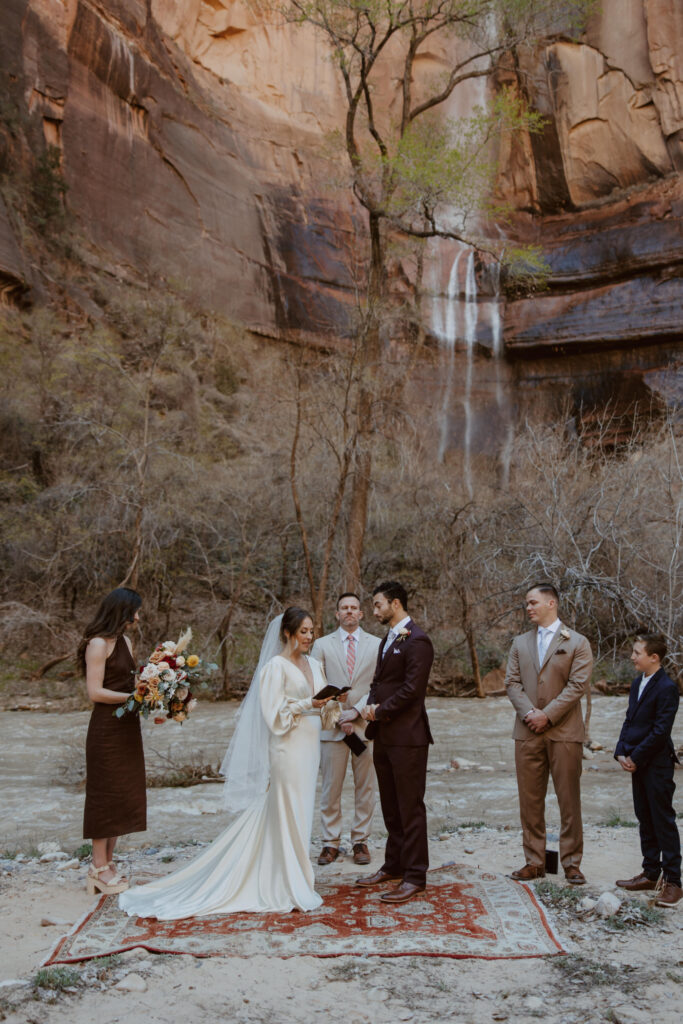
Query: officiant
[[348, 656]]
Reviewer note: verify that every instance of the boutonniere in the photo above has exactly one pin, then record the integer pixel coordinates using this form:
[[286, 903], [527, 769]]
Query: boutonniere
[[402, 635], [564, 633]]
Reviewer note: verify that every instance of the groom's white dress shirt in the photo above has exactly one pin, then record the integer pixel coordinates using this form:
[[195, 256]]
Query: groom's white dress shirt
[[393, 633]]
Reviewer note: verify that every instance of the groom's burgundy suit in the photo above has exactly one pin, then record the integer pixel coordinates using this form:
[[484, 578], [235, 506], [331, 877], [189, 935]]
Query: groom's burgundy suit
[[401, 737]]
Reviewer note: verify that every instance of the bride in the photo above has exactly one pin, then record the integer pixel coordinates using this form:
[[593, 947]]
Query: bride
[[260, 862]]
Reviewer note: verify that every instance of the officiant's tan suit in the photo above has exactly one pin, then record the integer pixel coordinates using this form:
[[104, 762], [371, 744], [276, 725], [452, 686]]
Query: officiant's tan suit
[[334, 753], [554, 687]]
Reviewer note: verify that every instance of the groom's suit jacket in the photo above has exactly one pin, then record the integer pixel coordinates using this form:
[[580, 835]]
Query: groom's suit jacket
[[555, 687], [399, 687], [646, 732], [329, 651]]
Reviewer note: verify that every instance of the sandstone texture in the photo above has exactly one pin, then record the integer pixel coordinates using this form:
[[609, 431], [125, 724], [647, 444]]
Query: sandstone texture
[[194, 140]]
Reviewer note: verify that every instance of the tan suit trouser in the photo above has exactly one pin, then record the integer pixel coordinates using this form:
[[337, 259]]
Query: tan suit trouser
[[535, 758], [334, 756]]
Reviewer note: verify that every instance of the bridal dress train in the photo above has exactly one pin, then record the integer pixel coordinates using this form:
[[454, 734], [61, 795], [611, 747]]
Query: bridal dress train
[[261, 861]]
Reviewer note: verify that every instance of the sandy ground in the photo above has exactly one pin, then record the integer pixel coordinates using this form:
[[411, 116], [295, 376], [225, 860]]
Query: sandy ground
[[617, 971]]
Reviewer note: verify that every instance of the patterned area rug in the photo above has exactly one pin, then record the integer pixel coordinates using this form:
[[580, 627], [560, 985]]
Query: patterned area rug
[[463, 913]]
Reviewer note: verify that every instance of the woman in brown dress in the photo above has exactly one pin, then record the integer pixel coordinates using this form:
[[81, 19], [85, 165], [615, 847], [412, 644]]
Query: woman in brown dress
[[115, 795]]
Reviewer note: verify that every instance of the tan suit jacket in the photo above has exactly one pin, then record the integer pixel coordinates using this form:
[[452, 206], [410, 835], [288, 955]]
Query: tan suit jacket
[[555, 687], [328, 650]]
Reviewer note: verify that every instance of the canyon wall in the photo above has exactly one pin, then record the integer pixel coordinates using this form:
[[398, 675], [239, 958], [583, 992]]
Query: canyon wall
[[195, 143]]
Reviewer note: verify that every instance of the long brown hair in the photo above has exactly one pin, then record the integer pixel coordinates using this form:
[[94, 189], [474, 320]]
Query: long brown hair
[[116, 610]]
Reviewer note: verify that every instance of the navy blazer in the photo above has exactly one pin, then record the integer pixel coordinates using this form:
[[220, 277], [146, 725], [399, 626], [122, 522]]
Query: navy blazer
[[646, 731], [399, 687]]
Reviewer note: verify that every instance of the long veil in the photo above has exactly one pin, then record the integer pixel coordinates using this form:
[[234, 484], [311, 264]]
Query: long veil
[[246, 765]]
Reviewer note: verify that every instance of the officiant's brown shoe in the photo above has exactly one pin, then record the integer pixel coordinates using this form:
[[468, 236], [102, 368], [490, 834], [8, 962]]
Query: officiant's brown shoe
[[379, 878], [528, 873], [639, 883], [402, 893], [361, 854], [328, 854], [574, 875]]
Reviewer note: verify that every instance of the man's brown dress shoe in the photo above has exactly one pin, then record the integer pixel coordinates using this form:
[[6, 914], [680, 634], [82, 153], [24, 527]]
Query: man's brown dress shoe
[[379, 878], [402, 893], [574, 875], [328, 854], [361, 854], [528, 873], [670, 895], [639, 883]]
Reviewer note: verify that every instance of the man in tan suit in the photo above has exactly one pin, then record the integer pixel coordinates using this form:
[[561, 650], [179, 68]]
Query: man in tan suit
[[548, 671], [348, 656]]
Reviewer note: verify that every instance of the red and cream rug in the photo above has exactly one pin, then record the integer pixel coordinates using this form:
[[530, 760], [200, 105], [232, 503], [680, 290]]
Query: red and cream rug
[[463, 913]]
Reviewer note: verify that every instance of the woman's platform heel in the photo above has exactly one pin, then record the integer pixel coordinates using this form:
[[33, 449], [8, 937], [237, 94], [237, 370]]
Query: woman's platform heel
[[110, 888]]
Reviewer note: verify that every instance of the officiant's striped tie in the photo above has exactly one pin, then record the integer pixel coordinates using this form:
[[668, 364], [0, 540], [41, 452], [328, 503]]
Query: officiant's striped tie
[[351, 654]]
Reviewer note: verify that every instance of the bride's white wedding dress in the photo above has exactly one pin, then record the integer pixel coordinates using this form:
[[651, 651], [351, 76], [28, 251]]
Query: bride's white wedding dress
[[261, 862]]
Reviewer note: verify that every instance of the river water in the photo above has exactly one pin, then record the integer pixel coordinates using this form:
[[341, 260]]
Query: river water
[[41, 756]]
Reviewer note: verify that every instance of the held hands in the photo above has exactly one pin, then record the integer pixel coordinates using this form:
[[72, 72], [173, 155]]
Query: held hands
[[626, 763], [368, 712], [537, 721], [345, 720]]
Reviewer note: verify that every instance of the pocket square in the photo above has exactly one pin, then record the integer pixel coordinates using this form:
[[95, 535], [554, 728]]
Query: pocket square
[[395, 651]]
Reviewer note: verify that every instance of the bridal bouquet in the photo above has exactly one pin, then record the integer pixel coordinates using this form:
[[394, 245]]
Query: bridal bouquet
[[163, 683]]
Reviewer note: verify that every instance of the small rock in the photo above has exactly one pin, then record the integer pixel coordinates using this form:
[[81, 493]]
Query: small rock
[[52, 855], [594, 745], [50, 846], [132, 983], [73, 863], [378, 993], [405, 1015], [462, 762], [137, 953], [625, 1014], [608, 904], [534, 1003], [588, 755], [444, 836], [468, 850], [50, 922], [587, 903], [486, 768]]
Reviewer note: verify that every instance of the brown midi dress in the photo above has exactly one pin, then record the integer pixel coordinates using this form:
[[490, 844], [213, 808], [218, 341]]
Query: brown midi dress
[[115, 794]]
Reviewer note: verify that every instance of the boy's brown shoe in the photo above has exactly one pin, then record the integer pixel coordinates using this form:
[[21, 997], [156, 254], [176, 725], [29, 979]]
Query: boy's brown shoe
[[639, 883], [670, 895]]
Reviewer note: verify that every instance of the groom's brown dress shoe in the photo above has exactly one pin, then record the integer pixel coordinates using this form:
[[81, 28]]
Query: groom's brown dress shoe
[[574, 875], [328, 854], [402, 893], [379, 878], [639, 883], [361, 854], [528, 873]]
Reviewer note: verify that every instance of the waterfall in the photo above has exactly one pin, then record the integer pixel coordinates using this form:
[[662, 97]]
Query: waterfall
[[449, 323], [471, 312], [497, 348]]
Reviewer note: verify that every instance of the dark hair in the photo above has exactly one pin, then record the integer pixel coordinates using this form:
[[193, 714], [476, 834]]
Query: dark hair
[[393, 591], [291, 621], [545, 588], [654, 643], [116, 610], [347, 593]]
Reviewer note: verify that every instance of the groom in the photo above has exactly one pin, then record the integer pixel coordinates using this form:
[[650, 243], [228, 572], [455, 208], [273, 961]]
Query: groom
[[398, 724]]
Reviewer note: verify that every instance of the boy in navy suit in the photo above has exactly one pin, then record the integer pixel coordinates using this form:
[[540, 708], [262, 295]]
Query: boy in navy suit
[[646, 751]]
